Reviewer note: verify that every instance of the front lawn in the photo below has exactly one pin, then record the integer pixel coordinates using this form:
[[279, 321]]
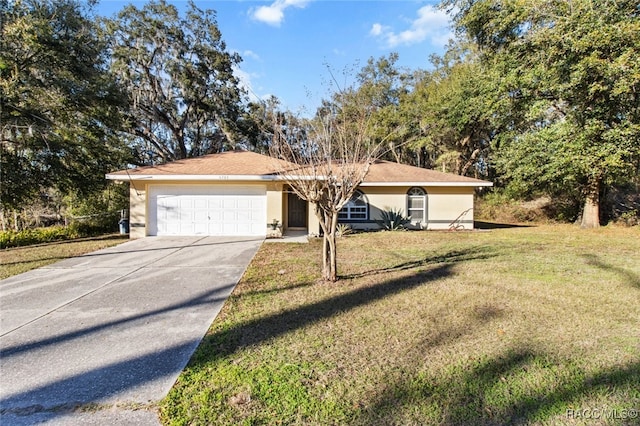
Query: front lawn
[[17, 260], [535, 325]]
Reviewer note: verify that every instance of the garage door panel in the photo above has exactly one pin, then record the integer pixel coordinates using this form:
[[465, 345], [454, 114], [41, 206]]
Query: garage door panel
[[201, 210], [215, 216], [244, 203], [216, 229], [200, 203], [200, 228], [172, 228], [214, 203], [201, 213]]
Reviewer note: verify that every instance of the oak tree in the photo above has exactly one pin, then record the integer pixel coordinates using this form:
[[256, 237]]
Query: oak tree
[[570, 70], [59, 107], [184, 98], [455, 106]]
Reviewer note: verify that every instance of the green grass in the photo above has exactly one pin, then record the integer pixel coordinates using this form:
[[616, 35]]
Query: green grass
[[17, 260], [511, 326]]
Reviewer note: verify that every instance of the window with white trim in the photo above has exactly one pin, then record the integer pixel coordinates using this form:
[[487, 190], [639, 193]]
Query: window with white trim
[[356, 208], [417, 205]]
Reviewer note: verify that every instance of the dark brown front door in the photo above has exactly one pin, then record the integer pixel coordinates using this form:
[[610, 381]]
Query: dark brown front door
[[297, 214]]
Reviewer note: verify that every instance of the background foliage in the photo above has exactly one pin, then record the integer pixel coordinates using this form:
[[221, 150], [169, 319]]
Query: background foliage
[[541, 97]]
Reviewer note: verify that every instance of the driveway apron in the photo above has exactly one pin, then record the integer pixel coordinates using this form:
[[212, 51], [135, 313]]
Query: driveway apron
[[92, 339]]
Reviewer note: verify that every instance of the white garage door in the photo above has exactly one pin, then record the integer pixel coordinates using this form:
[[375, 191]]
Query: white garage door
[[208, 210]]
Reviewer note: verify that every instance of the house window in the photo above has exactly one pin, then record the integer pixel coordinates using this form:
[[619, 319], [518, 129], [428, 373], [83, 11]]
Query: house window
[[417, 205], [356, 208]]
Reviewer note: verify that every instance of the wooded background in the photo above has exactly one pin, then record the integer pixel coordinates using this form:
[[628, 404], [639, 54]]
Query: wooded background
[[541, 97]]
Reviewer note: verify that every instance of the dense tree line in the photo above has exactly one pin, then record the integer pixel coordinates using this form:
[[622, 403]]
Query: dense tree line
[[568, 91], [60, 108], [539, 96], [84, 95]]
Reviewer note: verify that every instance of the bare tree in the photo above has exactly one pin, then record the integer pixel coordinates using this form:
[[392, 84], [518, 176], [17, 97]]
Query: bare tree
[[332, 154]]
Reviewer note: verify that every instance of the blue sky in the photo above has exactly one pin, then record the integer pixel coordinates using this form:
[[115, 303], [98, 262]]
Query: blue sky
[[287, 45]]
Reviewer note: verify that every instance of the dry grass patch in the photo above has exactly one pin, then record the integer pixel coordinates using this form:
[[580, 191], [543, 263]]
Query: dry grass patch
[[512, 326], [17, 260]]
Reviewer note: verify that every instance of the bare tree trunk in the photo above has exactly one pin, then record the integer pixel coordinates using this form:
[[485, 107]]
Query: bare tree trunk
[[333, 249], [329, 248], [393, 151], [325, 247], [472, 160], [591, 212]]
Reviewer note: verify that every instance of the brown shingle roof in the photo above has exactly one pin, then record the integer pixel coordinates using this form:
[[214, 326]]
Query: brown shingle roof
[[224, 163], [389, 172], [246, 163]]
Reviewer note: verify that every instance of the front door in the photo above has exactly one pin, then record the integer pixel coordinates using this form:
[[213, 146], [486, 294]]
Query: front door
[[297, 211]]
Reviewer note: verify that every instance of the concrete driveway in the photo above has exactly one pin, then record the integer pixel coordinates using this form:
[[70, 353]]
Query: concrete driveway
[[111, 329]]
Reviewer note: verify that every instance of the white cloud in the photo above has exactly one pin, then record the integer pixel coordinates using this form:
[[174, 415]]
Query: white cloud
[[377, 29], [274, 13], [443, 38], [250, 54], [431, 24]]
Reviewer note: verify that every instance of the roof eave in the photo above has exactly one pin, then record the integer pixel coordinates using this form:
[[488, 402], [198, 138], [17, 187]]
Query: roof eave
[[271, 178], [208, 178], [427, 183]]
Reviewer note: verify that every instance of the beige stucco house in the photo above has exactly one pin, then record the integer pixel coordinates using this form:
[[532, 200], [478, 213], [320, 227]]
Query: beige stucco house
[[240, 193]]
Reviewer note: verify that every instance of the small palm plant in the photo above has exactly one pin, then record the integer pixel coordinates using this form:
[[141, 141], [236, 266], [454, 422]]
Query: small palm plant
[[343, 230], [393, 220]]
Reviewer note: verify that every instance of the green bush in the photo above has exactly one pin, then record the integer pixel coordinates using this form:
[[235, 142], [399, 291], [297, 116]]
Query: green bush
[[76, 229], [98, 212], [37, 236], [105, 223], [629, 218]]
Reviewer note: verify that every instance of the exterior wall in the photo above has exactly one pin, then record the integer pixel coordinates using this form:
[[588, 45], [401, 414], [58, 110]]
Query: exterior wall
[[450, 207], [313, 221], [446, 206], [382, 199], [137, 209], [275, 202]]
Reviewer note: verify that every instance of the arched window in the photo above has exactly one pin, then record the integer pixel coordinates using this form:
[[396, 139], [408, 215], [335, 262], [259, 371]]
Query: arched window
[[357, 208], [417, 204]]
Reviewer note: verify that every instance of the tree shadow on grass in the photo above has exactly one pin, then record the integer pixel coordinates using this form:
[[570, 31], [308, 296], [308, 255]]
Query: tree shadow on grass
[[454, 256], [228, 341], [494, 225], [276, 290], [493, 393], [629, 276]]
